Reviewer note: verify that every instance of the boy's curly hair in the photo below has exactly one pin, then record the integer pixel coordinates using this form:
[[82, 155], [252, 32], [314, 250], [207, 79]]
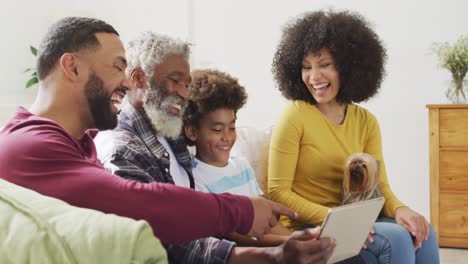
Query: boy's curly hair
[[358, 54], [211, 90]]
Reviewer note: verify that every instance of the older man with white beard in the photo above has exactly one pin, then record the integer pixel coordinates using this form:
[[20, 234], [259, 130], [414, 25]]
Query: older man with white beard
[[147, 146]]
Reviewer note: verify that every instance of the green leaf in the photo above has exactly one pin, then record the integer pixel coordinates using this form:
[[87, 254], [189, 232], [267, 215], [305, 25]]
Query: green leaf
[[32, 82], [34, 73], [33, 50]]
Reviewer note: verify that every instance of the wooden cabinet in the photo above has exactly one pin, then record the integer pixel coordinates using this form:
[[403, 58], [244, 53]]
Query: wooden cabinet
[[448, 136]]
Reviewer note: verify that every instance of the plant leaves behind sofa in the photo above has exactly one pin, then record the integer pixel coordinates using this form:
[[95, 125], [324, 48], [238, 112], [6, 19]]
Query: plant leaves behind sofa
[[39, 229]]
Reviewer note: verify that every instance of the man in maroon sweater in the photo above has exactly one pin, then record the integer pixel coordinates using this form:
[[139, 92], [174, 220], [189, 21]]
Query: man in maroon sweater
[[81, 68]]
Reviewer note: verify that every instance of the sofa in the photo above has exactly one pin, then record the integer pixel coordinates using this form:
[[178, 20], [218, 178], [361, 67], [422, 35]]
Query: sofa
[[254, 144], [38, 229]]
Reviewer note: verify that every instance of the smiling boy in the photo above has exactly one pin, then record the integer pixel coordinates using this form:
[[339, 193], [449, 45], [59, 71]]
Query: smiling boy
[[210, 125]]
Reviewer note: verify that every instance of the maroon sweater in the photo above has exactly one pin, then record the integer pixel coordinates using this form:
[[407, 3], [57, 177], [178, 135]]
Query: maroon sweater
[[38, 154]]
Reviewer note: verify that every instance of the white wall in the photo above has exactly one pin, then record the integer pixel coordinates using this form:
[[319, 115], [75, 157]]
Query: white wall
[[240, 37], [23, 23]]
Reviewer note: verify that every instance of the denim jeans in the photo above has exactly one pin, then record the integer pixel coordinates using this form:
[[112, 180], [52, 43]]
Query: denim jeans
[[394, 244]]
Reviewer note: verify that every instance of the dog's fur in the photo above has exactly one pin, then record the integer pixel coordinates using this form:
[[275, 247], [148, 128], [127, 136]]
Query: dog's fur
[[361, 177]]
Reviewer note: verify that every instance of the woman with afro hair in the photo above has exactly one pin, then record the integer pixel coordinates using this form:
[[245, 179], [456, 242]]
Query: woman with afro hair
[[325, 63]]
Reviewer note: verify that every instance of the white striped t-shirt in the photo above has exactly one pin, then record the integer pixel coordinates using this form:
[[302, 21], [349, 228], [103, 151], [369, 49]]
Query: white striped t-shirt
[[237, 177]]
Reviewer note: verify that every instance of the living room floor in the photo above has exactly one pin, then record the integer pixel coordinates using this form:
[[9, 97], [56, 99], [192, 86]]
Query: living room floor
[[453, 256]]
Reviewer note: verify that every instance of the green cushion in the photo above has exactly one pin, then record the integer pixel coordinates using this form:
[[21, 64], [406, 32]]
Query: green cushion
[[38, 229]]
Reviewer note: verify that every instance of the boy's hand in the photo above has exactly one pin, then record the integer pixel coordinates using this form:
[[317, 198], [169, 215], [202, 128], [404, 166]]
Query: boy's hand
[[266, 215], [369, 238]]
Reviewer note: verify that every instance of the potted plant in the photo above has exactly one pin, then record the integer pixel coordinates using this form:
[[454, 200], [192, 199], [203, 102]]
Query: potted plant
[[454, 57], [33, 80]]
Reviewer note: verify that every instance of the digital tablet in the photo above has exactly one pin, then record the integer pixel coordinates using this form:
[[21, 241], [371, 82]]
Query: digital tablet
[[349, 225]]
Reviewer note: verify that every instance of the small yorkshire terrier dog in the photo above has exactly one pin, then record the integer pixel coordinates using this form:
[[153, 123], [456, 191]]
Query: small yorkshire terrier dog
[[361, 176]]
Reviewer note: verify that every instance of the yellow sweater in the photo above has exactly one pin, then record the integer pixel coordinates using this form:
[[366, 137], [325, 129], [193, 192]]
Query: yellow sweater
[[307, 155]]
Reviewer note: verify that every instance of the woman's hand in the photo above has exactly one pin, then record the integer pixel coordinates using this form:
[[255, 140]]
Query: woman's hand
[[369, 238], [415, 223]]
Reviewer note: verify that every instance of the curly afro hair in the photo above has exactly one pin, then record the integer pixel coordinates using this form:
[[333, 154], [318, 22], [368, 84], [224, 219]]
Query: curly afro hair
[[209, 91], [358, 54]]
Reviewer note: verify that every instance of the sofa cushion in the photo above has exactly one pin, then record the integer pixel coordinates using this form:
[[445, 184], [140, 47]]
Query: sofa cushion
[[39, 229], [253, 144]]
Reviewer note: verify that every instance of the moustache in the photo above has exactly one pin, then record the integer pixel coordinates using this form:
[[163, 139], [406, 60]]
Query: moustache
[[120, 90]]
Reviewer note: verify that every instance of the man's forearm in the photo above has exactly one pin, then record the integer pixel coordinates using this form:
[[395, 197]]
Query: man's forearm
[[301, 247], [269, 240], [256, 255], [207, 250]]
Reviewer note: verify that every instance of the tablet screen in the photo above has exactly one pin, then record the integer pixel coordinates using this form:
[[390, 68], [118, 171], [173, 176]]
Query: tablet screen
[[349, 225]]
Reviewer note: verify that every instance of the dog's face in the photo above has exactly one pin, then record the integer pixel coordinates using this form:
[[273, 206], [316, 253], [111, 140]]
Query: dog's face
[[361, 173]]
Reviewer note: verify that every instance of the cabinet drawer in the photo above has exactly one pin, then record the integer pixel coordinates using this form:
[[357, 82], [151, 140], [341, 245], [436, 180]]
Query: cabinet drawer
[[453, 127], [453, 169], [453, 215]]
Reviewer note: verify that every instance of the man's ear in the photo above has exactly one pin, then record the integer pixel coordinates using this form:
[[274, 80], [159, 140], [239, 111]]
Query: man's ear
[[69, 65], [191, 133], [138, 78]]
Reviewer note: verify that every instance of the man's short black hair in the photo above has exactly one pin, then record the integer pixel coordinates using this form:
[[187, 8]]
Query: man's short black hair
[[69, 34]]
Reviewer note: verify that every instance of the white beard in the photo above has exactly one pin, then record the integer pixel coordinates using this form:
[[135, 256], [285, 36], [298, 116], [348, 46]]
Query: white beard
[[166, 124]]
